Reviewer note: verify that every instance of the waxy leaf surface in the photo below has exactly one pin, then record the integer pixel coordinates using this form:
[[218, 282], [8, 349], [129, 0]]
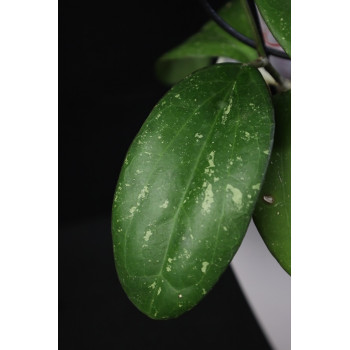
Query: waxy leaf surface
[[273, 210], [188, 187], [276, 14], [210, 42]]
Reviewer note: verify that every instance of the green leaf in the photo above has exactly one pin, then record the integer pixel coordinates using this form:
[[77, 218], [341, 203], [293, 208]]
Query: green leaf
[[211, 41], [276, 14], [170, 71], [272, 212], [188, 187]]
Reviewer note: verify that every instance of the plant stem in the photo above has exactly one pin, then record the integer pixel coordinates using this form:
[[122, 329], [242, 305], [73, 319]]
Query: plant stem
[[260, 45], [255, 22], [283, 84]]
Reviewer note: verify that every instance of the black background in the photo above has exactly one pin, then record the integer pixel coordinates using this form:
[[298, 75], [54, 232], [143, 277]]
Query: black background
[[107, 87]]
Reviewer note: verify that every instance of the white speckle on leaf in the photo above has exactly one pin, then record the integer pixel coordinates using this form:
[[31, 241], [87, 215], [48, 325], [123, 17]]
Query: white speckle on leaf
[[198, 136], [208, 169], [253, 106], [204, 292], [139, 171], [266, 151], [186, 253], [208, 199], [132, 210], [216, 179], [180, 296], [226, 112], [236, 195], [256, 187], [159, 290], [170, 260], [143, 193], [204, 266], [153, 285], [177, 95], [168, 268], [246, 136], [211, 160], [141, 196], [165, 204], [225, 228], [147, 235]]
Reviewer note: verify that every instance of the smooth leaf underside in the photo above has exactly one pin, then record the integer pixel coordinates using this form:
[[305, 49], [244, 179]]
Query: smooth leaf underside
[[188, 187], [210, 42], [272, 214], [276, 14]]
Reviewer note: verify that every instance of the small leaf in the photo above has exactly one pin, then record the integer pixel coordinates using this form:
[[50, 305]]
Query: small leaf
[[276, 14], [211, 41], [272, 212], [188, 187]]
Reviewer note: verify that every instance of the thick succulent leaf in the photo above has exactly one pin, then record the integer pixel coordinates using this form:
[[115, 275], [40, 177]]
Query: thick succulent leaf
[[276, 14], [272, 213], [188, 187], [211, 41]]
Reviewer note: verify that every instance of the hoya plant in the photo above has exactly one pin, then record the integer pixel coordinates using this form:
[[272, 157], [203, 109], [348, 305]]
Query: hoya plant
[[213, 153]]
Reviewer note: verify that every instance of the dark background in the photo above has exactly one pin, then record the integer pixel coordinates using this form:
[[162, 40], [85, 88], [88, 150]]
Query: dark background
[[107, 87]]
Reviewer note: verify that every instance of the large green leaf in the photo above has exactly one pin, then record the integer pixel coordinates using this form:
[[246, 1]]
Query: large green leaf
[[211, 41], [188, 187], [276, 14], [272, 212]]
